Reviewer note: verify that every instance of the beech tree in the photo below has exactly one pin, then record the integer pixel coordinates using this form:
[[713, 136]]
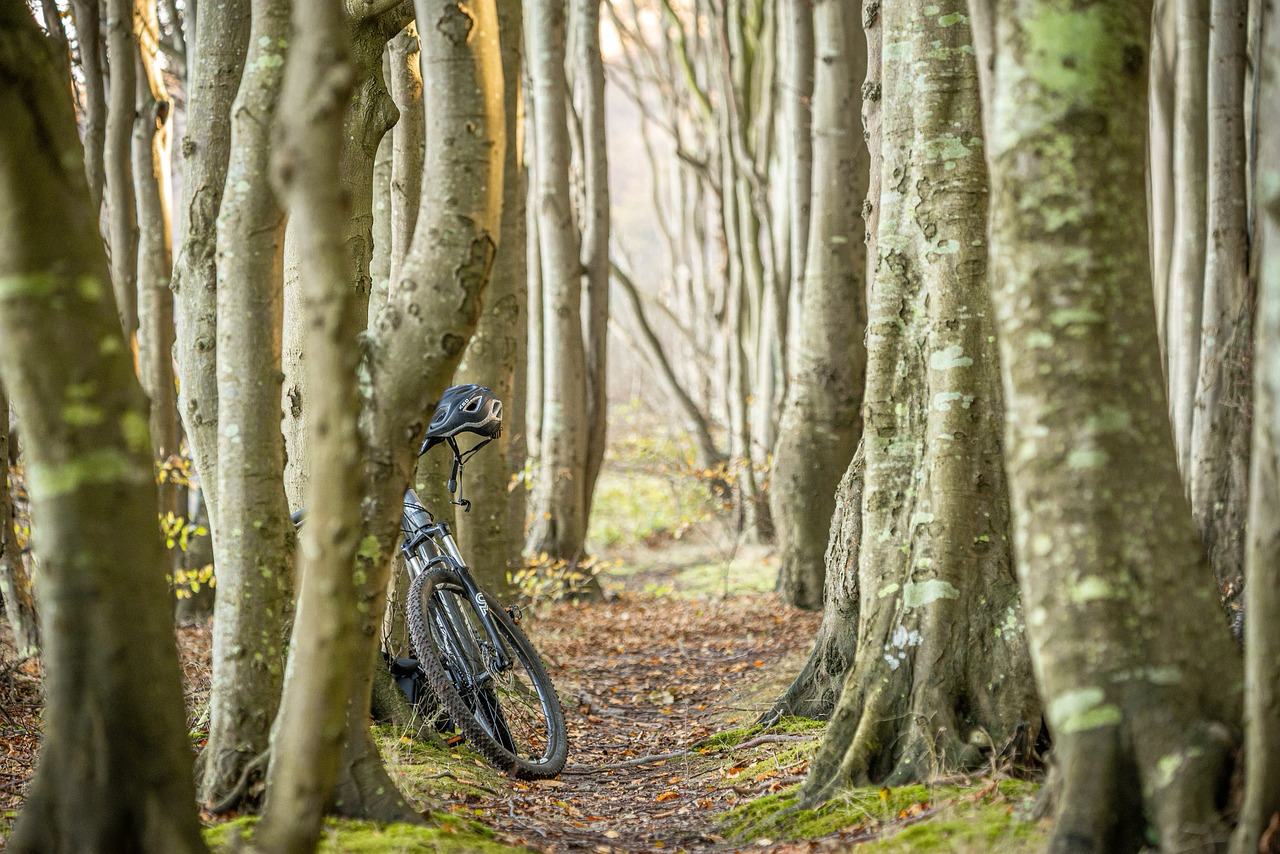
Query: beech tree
[[489, 536], [821, 421], [558, 506], [221, 40], [419, 336], [306, 743], [115, 769], [254, 544], [1262, 544], [938, 607], [1136, 667]]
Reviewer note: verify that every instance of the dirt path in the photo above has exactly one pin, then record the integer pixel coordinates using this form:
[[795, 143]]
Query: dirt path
[[645, 678]]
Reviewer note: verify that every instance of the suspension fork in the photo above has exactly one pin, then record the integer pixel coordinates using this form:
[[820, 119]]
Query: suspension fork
[[421, 530]]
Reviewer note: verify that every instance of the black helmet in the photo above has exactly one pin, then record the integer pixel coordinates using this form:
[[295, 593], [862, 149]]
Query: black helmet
[[464, 409]]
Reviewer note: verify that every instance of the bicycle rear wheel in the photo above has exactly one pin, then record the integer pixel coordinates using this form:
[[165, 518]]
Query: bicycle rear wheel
[[511, 716]]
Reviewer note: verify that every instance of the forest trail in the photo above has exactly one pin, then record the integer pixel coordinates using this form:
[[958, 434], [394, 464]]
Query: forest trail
[[644, 678]]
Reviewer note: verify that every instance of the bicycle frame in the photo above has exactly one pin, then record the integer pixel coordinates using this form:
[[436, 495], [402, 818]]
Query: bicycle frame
[[428, 544]]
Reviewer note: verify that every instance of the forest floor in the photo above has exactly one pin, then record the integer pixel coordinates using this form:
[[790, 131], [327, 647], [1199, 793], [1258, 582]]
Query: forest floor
[[661, 684]]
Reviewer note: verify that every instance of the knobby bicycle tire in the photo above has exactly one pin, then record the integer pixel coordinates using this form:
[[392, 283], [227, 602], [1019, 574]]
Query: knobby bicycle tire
[[522, 740]]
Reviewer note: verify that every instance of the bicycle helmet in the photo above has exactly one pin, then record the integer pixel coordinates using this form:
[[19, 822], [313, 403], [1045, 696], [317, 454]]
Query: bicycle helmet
[[465, 408]]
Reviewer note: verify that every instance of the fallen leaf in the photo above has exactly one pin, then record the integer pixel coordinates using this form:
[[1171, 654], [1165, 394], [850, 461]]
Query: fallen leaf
[[667, 796]]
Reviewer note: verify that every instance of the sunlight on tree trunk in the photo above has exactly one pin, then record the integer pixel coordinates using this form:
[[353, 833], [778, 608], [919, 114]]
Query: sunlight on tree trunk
[[486, 535]]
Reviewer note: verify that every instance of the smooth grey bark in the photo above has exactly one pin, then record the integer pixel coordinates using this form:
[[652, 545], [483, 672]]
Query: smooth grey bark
[[254, 545], [370, 114], [1262, 546], [380, 263], [490, 541], [1140, 681], [593, 220], [558, 510], [407, 142], [939, 610], [797, 87], [221, 39], [822, 419], [88, 20], [151, 170], [419, 337], [1161, 180], [122, 47], [306, 742], [1186, 276], [1220, 430], [114, 767]]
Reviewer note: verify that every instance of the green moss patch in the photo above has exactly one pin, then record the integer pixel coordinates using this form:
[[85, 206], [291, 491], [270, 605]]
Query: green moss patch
[[984, 817], [443, 832]]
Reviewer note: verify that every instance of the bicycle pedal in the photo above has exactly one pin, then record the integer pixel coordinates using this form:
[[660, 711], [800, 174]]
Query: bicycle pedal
[[455, 740], [513, 611]]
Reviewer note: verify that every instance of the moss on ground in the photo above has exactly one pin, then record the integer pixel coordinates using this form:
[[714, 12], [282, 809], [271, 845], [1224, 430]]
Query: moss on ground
[[442, 783], [784, 726], [917, 819], [443, 833], [429, 774]]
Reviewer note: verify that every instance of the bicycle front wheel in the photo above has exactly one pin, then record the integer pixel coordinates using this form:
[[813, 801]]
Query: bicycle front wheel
[[511, 714]]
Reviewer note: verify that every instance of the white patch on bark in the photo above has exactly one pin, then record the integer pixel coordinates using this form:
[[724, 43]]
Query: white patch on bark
[[917, 594], [950, 357]]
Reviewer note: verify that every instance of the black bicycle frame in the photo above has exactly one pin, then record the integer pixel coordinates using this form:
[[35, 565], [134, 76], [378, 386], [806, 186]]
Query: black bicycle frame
[[422, 533]]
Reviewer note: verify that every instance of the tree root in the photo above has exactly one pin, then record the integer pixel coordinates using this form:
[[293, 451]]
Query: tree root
[[238, 791]]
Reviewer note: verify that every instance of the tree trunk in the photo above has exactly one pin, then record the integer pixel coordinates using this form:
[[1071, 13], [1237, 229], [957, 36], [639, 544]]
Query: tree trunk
[[815, 690], [593, 219], [122, 47], [222, 36], [407, 142], [488, 539], [1136, 667], [938, 612], [306, 743], [797, 95], [1161, 179], [15, 585], [88, 20], [419, 337], [369, 116], [822, 418], [150, 153], [1262, 549], [1186, 277], [114, 769], [558, 505], [1220, 430], [254, 546]]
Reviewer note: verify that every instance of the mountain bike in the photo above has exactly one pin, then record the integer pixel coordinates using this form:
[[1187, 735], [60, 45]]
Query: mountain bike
[[488, 682]]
